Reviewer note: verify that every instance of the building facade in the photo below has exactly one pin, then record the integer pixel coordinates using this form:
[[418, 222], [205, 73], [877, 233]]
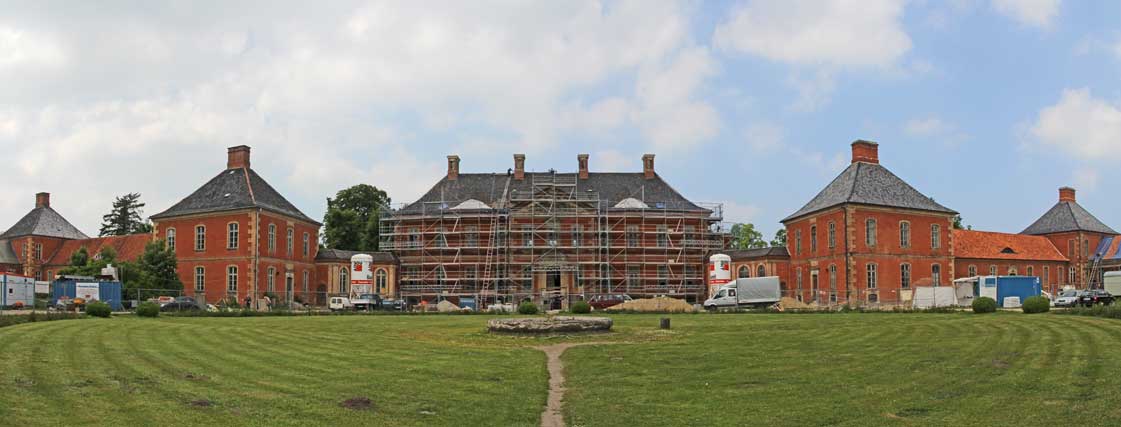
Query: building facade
[[868, 237], [551, 237], [236, 237], [333, 269]]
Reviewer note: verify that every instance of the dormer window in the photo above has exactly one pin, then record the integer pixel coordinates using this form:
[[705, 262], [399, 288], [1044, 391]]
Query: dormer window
[[1007, 251]]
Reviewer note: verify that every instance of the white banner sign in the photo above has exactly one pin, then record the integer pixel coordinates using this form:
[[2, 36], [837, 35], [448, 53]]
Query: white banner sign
[[88, 291]]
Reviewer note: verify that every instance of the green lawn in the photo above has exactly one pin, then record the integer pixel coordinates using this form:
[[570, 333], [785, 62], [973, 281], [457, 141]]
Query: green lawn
[[850, 369]]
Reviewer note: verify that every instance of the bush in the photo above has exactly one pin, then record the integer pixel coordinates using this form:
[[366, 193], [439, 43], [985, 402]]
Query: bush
[[1037, 304], [581, 307], [99, 309], [148, 309], [984, 305], [527, 308]]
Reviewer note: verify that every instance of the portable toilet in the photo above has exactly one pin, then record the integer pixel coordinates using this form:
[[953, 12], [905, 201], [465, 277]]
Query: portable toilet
[[17, 291]]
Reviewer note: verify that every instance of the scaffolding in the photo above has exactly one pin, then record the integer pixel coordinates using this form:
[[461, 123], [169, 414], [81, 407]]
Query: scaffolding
[[551, 241]]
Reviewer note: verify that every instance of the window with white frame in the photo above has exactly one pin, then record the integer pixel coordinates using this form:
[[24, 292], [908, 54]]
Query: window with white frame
[[905, 276], [972, 270], [291, 240], [798, 242], [832, 277], [272, 238], [232, 236], [1046, 275], [744, 272], [200, 279], [935, 236], [344, 283], [992, 270], [37, 252], [270, 279], [871, 275], [231, 278], [307, 245], [904, 234], [832, 235], [936, 274], [171, 239], [200, 238], [813, 239], [1073, 275], [381, 280], [870, 232]]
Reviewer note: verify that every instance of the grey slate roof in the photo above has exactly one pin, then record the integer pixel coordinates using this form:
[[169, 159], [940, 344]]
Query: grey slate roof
[[773, 251], [44, 221], [611, 187], [344, 255], [869, 184], [1067, 216], [7, 255], [233, 189]]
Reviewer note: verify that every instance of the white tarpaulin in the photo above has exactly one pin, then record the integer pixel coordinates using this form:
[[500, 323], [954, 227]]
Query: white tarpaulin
[[942, 296], [87, 291]]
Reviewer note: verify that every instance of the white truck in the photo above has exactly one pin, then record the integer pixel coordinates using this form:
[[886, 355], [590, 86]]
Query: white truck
[[756, 292]]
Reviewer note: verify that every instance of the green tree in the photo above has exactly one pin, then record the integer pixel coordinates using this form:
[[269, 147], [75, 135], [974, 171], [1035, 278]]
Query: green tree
[[80, 257], [126, 217], [351, 221], [958, 224], [81, 264], [157, 268], [780, 238], [744, 236]]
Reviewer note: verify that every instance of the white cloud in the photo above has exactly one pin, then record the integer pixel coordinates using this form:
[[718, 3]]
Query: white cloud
[[328, 97], [811, 32], [1081, 125], [765, 136], [926, 127], [1086, 179], [741, 212], [823, 36], [1036, 13]]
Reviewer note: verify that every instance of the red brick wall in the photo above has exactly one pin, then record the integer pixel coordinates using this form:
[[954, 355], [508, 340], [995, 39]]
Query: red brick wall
[[1054, 280], [886, 253], [1079, 259], [217, 256]]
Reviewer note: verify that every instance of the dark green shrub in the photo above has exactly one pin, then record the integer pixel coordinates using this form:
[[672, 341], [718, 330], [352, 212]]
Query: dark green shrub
[[581, 307], [99, 309], [527, 308], [148, 309], [984, 305], [1037, 304]]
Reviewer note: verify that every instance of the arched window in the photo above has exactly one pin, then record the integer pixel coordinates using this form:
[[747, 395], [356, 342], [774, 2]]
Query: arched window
[[1012, 271], [200, 238], [231, 279], [381, 280], [936, 274], [904, 234], [231, 237], [870, 232], [344, 283], [761, 271], [271, 279], [744, 272], [905, 276], [171, 238]]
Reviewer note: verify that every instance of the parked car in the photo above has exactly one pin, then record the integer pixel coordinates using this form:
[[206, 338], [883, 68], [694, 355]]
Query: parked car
[[180, 306], [600, 302], [1095, 296], [1067, 298], [340, 304]]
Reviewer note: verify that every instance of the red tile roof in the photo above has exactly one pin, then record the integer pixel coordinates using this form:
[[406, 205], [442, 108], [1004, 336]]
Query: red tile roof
[[992, 245], [129, 248]]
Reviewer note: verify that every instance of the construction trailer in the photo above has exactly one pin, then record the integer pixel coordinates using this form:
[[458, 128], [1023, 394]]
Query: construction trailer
[[550, 238], [16, 291]]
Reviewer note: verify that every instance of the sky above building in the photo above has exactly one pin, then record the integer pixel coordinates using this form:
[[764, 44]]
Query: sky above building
[[987, 106]]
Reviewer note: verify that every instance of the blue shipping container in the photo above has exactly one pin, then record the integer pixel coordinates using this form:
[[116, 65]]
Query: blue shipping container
[[1012, 286], [107, 292]]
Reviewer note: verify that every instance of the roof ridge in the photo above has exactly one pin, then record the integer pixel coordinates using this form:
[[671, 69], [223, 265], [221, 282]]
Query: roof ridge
[[855, 179], [249, 185]]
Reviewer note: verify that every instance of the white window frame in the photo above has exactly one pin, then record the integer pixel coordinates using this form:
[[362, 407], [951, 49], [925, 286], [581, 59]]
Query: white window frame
[[200, 278], [870, 232], [231, 278], [233, 231], [872, 275], [170, 238], [935, 236], [905, 276], [904, 234], [200, 238]]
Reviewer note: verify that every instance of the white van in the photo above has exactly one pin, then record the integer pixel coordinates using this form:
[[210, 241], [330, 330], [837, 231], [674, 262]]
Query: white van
[[340, 304]]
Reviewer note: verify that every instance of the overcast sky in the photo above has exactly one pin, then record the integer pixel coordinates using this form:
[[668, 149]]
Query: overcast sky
[[987, 106]]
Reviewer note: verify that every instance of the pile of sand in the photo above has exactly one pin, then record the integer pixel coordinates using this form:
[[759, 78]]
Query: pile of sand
[[661, 304], [788, 302], [446, 307]]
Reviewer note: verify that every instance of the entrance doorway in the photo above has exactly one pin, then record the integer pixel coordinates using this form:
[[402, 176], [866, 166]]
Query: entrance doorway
[[813, 285], [289, 287], [553, 289]]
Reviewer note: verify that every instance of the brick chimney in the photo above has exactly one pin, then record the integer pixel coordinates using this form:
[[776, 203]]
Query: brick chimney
[[648, 166], [582, 160], [519, 167], [1066, 194], [238, 157], [865, 151], [42, 200], [453, 167]]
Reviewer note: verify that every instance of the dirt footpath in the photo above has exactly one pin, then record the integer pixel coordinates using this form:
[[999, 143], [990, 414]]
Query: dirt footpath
[[553, 415]]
